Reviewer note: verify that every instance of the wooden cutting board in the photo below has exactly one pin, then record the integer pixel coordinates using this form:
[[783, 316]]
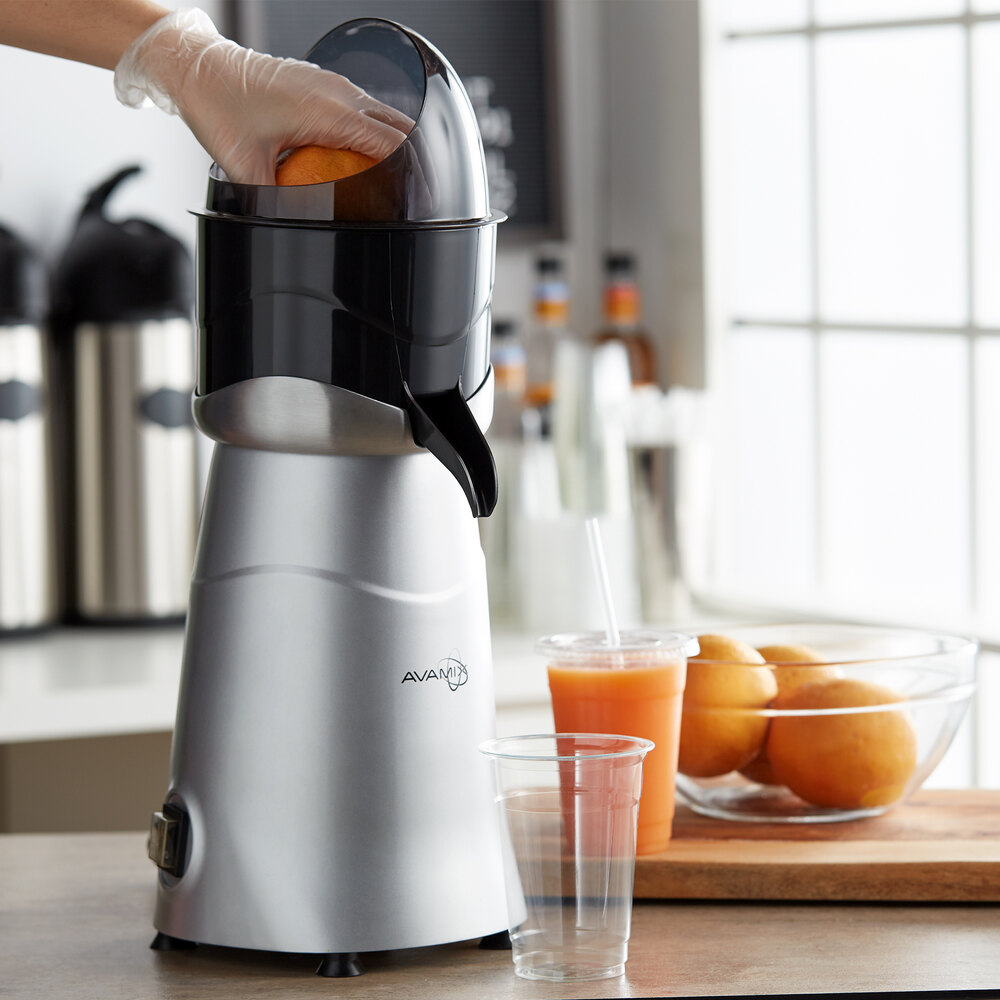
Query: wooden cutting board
[[941, 846]]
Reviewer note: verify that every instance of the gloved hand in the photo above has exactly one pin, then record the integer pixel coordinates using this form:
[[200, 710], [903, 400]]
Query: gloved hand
[[245, 107]]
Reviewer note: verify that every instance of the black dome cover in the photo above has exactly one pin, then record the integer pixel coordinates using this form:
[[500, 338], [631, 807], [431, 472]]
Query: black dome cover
[[437, 174]]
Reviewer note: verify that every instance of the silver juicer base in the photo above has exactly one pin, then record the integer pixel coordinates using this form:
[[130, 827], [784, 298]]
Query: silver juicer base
[[337, 681]]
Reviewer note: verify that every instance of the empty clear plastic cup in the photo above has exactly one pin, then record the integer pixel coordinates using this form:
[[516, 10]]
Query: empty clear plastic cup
[[568, 805]]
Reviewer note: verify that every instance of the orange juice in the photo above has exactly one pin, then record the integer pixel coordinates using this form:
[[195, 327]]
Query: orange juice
[[643, 698]]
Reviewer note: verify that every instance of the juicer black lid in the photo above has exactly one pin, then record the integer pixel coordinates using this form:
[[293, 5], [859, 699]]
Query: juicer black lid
[[22, 281], [437, 175], [124, 271]]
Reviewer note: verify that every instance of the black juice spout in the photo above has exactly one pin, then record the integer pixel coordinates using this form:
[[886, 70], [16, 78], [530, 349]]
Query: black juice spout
[[446, 427]]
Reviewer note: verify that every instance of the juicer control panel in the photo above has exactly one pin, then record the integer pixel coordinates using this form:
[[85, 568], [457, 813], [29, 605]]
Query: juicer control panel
[[168, 836]]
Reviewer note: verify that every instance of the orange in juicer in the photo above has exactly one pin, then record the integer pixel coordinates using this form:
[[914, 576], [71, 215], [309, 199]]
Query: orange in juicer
[[319, 164]]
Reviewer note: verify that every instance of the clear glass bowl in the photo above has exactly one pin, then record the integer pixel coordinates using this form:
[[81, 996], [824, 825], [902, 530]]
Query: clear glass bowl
[[932, 676]]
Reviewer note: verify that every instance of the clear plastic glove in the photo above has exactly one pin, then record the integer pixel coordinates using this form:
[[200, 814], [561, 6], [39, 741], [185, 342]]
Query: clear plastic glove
[[245, 107]]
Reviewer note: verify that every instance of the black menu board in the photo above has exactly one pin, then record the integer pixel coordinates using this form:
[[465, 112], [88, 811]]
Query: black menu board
[[503, 51]]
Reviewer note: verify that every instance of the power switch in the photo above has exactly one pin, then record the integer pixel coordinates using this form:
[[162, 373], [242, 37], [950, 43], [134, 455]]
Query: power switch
[[168, 839]]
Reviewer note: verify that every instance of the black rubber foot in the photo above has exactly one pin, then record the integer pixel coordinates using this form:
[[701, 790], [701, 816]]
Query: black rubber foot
[[341, 965], [164, 942], [496, 942]]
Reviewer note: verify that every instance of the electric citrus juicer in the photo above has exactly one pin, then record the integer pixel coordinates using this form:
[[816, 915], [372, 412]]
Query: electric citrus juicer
[[326, 794]]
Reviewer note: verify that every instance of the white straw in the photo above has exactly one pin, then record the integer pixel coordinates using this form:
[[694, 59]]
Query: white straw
[[604, 584]]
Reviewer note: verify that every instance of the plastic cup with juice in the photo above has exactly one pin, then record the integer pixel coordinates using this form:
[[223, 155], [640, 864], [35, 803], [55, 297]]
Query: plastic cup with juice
[[633, 689]]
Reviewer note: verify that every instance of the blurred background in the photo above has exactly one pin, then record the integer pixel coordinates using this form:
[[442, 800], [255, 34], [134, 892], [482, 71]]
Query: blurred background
[[745, 314]]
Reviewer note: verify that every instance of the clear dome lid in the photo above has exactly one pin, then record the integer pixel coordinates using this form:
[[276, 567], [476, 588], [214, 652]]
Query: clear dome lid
[[437, 175]]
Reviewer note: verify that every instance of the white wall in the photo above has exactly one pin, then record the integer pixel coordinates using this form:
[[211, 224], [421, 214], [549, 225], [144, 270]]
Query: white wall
[[63, 132], [655, 196], [581, 80], [631, 135]]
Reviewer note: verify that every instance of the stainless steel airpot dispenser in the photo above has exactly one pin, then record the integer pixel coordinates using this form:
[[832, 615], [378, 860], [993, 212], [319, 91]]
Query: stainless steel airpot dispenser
[[326, 793], [28, 588], [122, 303]]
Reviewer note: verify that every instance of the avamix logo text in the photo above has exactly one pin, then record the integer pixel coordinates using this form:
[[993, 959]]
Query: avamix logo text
[[451, 670]]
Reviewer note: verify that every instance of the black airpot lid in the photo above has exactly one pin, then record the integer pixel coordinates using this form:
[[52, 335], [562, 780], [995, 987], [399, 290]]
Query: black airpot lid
[[125, 271], [23, 281]]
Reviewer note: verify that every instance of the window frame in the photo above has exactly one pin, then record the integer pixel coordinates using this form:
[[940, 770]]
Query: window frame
[[722, 323]]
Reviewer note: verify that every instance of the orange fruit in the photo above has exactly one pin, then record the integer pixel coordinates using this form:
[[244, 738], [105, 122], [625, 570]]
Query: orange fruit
[[843, 761], [720, 730], [794, 665], [791, 673], [318, 164]]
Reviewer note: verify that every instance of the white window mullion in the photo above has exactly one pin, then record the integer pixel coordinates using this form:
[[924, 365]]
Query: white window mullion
[[819, 555]]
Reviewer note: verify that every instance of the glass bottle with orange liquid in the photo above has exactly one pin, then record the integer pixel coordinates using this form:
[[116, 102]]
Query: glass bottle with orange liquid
[[551, 320], [509, 372], [505, 439], [622, 317]]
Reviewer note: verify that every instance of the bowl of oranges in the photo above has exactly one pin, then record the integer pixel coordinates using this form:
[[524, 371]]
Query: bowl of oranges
[[818, 723]]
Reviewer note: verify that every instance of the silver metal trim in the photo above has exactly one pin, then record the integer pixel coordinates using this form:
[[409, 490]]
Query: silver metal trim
[[297, 415], [300, 416]]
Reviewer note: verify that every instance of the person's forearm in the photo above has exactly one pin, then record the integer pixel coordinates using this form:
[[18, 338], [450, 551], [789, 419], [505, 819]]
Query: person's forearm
[[89, 31]]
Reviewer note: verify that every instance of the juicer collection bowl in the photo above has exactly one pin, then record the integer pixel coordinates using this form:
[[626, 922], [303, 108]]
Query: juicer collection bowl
[[847, 760], [375, 287]]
